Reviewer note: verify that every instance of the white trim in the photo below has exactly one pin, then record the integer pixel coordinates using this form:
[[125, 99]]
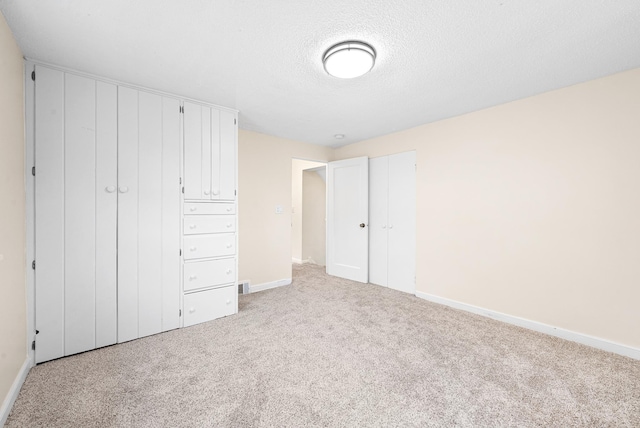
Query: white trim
[[296, 261], [7, 404], [269, 285], [585, 339], [29, 188]]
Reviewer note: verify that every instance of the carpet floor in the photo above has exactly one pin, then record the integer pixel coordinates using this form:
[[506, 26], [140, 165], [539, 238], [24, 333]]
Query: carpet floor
[[328, 352]]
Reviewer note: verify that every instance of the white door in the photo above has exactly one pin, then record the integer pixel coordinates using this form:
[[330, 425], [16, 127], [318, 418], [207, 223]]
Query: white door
[[378, 216], [402, 222], [75, 121], [148, 213], [347, 218]]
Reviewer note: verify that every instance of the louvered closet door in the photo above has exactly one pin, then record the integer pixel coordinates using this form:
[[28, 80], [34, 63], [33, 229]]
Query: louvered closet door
[[148, 213], [75, 203]]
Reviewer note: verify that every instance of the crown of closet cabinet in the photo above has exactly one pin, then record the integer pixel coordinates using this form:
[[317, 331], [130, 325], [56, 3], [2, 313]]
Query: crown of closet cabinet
[[134, 191]]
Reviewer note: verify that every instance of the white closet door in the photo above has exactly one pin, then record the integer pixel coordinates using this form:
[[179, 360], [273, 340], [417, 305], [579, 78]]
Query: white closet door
[[75, 215], [193, 152], [227, 178], [402, 222], [347, 218], [206, 155], [49, 213], [214, 154], [378, 214], [148, 243]]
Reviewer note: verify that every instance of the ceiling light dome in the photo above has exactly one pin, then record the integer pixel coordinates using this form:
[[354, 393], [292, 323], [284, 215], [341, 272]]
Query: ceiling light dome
[[349, 59]]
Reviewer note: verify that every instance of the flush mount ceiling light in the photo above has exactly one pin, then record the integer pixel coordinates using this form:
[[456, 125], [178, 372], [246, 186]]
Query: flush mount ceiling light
[[349, 59]]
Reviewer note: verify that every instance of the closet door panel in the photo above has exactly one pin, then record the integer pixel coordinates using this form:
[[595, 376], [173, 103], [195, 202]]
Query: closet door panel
[[378, 207], [106, 212], [49, 213], [206, 152], [80, 213], [215, 154], [193, 151], [227, 177], [170, 214], [127, 214], [149, 214], [402, 221]]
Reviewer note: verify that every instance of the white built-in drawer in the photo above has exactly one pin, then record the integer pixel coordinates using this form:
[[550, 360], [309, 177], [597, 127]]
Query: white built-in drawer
[[205, 246], [194, 224], [208, 208], [209, 273], [209, 304]]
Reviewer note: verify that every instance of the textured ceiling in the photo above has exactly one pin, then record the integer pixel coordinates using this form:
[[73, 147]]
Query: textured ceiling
[[436, 59]]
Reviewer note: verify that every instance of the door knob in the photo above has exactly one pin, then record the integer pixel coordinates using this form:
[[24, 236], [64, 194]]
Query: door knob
[[362, 224], [110, 189], [123, 189]]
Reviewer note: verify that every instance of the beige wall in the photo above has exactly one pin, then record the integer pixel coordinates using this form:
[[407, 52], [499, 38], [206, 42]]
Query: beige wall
[[264, 164], [13, 328], [532, 208], [297, 167], [314, 226]]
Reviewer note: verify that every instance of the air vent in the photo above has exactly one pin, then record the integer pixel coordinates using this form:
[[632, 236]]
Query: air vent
[[243, 287]]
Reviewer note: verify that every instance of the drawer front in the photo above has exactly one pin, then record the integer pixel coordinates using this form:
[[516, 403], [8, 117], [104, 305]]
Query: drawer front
[[209, 304], [204, 246], [209, 273], [208, 208], [194, 224]]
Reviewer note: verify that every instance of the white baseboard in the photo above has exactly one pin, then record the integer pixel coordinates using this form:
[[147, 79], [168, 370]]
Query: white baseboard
[[7, 404], [573, 336], [269, 285], [296, 261]]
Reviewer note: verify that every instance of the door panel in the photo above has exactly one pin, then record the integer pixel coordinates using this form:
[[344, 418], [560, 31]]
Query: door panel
[[347, 209], [170, 214], [106, 213], [227, 160], [193, 151], [378, 214], [49, 213], [80, 214], [402, 222], [127, 214], [205, 157]]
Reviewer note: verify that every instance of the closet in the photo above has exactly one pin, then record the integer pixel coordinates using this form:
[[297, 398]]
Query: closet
[[392, 221], [108, 210]]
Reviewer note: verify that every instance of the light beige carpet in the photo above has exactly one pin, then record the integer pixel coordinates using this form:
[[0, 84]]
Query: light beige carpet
[[334, 353]]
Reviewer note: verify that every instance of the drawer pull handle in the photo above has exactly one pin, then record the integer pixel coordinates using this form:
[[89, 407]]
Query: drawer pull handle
[[229, 209], [228, 302], [192, 209], [228, 271], [192, 310], [229, 245], [192, 277], [192, 226], [193, 248], [229, 225]]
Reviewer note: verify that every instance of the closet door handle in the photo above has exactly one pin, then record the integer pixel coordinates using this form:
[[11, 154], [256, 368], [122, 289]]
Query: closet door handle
[[362, 225], [390, 226], [110, 189], [215, 192], [123, 189], [206, 192], [384, 226]]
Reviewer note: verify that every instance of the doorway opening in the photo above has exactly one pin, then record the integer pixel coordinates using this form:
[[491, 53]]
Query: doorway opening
[[308, 211]]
